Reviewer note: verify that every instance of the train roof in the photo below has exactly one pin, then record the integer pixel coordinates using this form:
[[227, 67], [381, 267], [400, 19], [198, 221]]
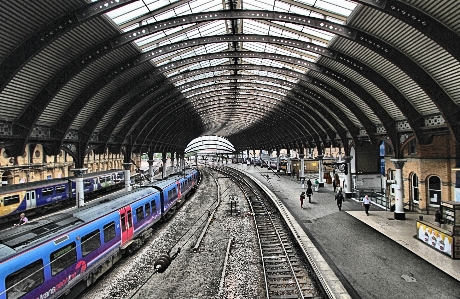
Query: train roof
[[43, 183], [21, 238], [22, 186]]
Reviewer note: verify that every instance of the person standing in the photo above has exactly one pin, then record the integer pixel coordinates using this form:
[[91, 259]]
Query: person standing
[[309, 193], [308, 183], [302, 181], [334, 185], [366, 204], [339, 199], [302, 197], [22, 220]]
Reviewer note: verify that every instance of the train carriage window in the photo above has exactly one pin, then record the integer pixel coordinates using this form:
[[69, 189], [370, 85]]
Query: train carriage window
[[63, 258], [147, 209], [10, 200], [90, 242], [47, 191], [140, 213], [24, 280], [87, 183], [109, 232], [154, 207], [60, 189], [123, 222]]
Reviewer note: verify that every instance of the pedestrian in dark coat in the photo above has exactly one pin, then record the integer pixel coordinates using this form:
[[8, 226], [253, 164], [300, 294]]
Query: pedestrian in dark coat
[[309, 193], [302, 197], [334, 184], [339, 199], [308, 183]]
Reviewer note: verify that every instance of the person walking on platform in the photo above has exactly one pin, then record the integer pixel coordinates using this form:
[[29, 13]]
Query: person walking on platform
[[366, 204], [302, 181], [302, 197], [334, 185], [308, 183], [339, 199], [309, 193]]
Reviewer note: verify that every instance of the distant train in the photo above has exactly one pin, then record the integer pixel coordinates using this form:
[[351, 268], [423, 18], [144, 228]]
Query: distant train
[[66, 252], [36, 196]]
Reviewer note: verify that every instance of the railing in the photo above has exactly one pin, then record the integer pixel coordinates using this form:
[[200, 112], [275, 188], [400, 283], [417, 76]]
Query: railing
[[375, 194]]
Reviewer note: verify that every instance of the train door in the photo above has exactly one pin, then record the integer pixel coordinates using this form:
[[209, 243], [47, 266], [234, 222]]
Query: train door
[[126, 221], [96, 183], [31, 199]]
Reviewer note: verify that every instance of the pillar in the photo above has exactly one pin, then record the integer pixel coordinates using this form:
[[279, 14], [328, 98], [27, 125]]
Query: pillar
[[150, 169], [278, 160], [172, 163], [127, 167], [320, 170], [399, 189], [79, 187], [302, 165], [163, 171], [288, 166], [348, 187]]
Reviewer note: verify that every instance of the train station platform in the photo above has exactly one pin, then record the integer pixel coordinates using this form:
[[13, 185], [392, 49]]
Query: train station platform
[[366, 250]]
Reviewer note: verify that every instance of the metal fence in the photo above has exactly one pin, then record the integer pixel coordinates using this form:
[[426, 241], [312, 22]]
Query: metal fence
[[375, 194]]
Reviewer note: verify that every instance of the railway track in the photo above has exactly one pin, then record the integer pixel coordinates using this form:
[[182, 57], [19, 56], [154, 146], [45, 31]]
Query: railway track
[[285, 275]]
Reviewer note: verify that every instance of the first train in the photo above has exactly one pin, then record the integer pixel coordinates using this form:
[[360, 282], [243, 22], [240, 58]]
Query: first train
[[39, 196], [62, 254]]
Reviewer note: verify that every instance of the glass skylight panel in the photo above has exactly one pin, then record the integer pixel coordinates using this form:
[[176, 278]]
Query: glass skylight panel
[[218, 61], [125, 9], [193, 33], [334, 20], [281, 6], [201, 5], [257, 47], [182, 10], [130, 15], [294, 26], [165, 15], [258, 5], [332, 8], [214, 48], [155, 4], [301, 11]]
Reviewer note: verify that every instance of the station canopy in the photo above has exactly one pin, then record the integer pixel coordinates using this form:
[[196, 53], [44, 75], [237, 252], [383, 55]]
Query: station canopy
[[152, 75]]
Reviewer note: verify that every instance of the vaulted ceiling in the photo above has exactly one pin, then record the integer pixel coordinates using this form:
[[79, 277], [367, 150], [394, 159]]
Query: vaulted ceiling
[[152, 75]]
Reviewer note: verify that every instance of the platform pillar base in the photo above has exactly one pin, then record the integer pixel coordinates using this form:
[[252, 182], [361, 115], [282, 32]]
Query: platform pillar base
[[400, 216]]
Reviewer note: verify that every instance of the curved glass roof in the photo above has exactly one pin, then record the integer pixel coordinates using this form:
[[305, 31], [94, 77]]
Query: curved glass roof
[[207, 145], [144, 12]]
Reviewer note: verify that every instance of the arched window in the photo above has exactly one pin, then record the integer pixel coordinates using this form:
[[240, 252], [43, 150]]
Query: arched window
[[434, 190], [414, 188]]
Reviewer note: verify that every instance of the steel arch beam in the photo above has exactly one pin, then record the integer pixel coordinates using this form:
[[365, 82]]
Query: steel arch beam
[[301, 91], [241, 14], [37, 41]]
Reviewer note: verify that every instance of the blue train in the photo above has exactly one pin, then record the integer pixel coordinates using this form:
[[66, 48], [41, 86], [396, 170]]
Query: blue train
[[66, 252], [36, 196]]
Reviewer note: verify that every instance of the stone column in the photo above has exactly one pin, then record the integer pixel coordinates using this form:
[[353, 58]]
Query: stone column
[[277, 160], [127, 167], [79, 187], [399, 189], [150, 169], [302, 165], [348, 187], [320, 170], [163, 171], [172, 163]]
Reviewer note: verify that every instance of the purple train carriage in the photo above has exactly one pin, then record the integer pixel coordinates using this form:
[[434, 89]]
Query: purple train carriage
[[62, 254]]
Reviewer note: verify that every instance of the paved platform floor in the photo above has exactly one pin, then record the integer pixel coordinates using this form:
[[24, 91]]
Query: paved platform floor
[[374, 256]]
